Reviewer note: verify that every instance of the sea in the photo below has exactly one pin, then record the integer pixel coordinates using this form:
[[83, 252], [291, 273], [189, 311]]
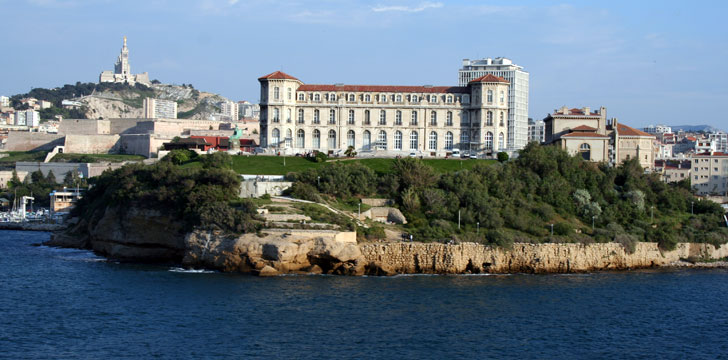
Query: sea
[[72, 304]]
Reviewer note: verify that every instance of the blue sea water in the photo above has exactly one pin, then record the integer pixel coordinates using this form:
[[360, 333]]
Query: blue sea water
[[62, 303]]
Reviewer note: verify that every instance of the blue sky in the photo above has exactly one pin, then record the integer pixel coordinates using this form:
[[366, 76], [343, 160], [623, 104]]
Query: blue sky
[[648, 62]]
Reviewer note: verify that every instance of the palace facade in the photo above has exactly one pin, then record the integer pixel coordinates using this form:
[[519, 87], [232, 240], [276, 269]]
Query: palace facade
[[384, 120]]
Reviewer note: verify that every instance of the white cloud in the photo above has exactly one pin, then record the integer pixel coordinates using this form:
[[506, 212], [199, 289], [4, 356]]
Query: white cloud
[[402, 8]]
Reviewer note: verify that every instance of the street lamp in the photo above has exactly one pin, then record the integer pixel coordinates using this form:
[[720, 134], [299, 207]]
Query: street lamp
[[318, 181], [359, 218], [692, 207], [593, 217], [478, 231], [652, 214], [552, 229]]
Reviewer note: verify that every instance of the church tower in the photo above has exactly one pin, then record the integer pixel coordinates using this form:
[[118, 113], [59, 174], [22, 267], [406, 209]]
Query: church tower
[[122, 63], [122, 71]]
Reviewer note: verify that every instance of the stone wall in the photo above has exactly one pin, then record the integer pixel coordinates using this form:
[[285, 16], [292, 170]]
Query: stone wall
[[7, 175], [28, 141], [61, 169], [91, 144], [84, 127], [255, 188]]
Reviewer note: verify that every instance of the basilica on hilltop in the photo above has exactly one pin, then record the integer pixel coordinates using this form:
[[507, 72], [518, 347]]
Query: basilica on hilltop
[[122, 72]]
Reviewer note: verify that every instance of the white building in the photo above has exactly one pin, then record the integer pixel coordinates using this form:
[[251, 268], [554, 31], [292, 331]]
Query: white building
[[517, 100], [229, 109], [158, 108], [383, 120], [248, 110], [710, 173], [122, 71], [27, 118], [4, 101], [536, 131], [720, 139], [658, 129]]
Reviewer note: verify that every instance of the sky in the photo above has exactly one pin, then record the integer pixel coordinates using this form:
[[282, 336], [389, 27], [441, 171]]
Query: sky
[[647, 62]]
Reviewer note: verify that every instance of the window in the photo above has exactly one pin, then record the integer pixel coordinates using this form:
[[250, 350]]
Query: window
[[466, 99], [397, 140], [300, 138], [399, 98], [288, 116], [413, 140], [276, 137], [351, 98], [501, 139], [449, 118], [317, 97], [464, 139], [502, 97], [367, 140], [350, 138], [316, 139], [276, 93], [332, 139], [289, 94], [351, 117], [414, 118], [332, 116], [382, 117], [465, 118], [398, 118], [382, 140], [332, 97], [449, 99], [489, 141], [433, 140], [489, 118], [367, 121], [301, 97], [382, 98], [289, 138], [448, 141], [367, 98], [585, 151], [415, 98], [490, 96], [433, 119], [300, 116], [316, 118], [501, 123], [433, 99], [276, 115]]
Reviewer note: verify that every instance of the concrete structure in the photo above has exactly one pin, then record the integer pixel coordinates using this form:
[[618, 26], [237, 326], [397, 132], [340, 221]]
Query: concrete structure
[[686, 145], [122, 71], [536, 131], [579, 131], [673, 170], [517, 94], [229, 109], [632, 143], [30, 118], [28, 141], [383, 120], [664, 151], [720, 139], [158, 108], [710, 173], [385, 215], [4, 101], [259, 185], [705, 145], [658, 129], [248, 110], [64, 201]]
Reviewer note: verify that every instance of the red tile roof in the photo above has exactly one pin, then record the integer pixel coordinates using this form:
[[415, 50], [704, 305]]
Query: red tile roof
[[584, 128], [625, 130], [277, 75], [585, 134], [707, 153], [490, 78], [691, 138], [385, 88]]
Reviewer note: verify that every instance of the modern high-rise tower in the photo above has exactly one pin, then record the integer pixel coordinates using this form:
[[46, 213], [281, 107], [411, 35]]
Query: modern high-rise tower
[[517, 95]]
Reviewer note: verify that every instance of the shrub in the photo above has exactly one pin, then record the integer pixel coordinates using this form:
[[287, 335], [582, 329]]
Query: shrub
[[563, 229], [502, 157], [629, 242], [499, 238]]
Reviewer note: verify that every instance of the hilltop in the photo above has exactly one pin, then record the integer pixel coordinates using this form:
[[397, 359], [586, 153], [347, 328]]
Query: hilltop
[[114, 100]]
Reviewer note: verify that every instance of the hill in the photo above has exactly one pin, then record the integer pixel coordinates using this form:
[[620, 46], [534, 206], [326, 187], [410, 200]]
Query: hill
[[112, 100], [695, 128]]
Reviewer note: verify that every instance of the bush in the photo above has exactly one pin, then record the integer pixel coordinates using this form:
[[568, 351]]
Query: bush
[[180, 156], [499, 238], [563, 229], [502, 157], [629, 242]]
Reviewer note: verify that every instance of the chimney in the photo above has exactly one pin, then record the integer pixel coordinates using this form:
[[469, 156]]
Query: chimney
[[586, 110]]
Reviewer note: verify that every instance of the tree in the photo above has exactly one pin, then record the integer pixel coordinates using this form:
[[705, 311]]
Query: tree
[[502, 156], [51, 178], [217, 160]]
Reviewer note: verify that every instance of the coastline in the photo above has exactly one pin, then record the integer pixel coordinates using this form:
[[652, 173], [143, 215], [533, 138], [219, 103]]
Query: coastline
[[28, 226]]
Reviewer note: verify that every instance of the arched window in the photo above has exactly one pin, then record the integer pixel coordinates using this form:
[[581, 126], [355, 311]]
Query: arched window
[[382, 117], [276, 93], [449, 99], [367, 120], [317, 97], [300, 116], [433, 119], [332, 116], [489, 118], [367, 140], [352, 98], [350, 138], [501, 123], [397, 140], [316, 117], [414, 118], [289, 94], [301, 97], [415, 98], [489, 141], [332, 97], [464, 138], [351, 117], [502, 97], [433, 140], [276, 115], [398, 118], [300, 138], [449, 118], [448, 141], [288, 115], [399, 98], [433, 99], [332, 139], [490, 96], [413, 140], [316, 139], [501, 141], [382, 98], [289, 138], [382, 140], [276, 137], [585, 151], [368, 98]]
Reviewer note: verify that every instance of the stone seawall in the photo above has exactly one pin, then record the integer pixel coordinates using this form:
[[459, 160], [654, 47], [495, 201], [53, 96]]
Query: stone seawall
[[412, 258]]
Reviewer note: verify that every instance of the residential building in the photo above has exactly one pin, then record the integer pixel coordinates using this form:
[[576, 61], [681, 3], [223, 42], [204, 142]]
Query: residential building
[[158, 108], [710, 173], [632, 143], [686, 145], [517, 94], [673, 170], [229, 110], [4, 101], [657, 129], [122, 71], [579, 131], [44, 104], [720, 139], [664, 151], [536, 131], [29, 118], [248, 110], [383, 120], [705, 145]]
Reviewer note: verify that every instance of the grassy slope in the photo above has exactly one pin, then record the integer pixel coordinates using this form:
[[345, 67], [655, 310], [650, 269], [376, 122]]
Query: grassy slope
[[23, 156], [96, 157]]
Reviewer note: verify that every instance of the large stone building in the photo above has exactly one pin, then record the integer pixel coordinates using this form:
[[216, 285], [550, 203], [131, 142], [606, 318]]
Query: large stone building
[[710, 173], [383, 120], [122, 71], [517, 96], [579, 131], [632, 143]]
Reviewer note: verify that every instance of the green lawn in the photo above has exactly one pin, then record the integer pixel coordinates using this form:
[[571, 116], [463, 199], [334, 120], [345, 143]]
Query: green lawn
[[14, 156], [89, 158]]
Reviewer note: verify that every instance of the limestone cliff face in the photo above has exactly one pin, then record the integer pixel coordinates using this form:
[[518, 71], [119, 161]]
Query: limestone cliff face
[[393, 258]]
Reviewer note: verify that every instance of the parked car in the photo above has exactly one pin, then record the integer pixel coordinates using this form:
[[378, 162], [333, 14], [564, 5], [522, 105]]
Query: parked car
[[412, 155]]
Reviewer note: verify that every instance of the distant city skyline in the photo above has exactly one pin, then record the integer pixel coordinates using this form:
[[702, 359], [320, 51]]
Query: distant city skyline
[[647, 63]]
